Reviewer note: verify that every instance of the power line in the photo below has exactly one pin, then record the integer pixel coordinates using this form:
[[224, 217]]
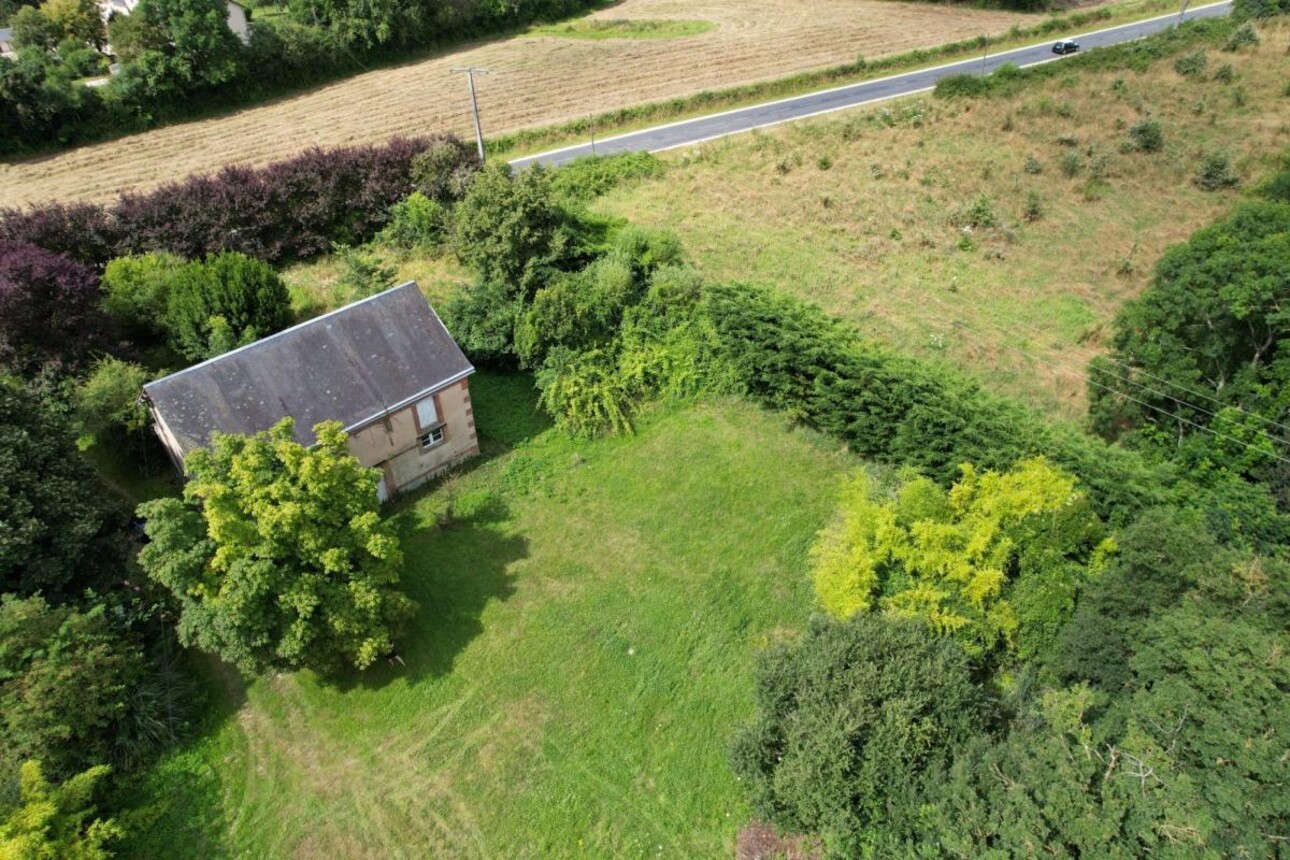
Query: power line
[[1131, 369], [1089, 381]]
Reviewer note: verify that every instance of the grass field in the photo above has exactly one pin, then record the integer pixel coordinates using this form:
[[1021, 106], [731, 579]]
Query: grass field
[[590, 614], [868, 214], [536, 81]]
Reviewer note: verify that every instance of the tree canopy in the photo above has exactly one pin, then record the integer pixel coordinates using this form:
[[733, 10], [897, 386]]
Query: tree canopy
[[277, 554], [1201, 350], [996, 561], [848, 719], [58, 534]]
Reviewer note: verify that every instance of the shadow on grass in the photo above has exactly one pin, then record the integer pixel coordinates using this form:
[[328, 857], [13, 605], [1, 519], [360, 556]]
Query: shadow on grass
[[174, 806], [453, 571], [506, 410]]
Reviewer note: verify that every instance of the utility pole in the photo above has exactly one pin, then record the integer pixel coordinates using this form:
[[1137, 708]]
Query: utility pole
[[985, 52], [1182, 11], [591, 123], [474, 104]]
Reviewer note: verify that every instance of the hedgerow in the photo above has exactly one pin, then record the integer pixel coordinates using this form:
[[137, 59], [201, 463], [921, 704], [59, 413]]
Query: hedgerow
[[289, 210]]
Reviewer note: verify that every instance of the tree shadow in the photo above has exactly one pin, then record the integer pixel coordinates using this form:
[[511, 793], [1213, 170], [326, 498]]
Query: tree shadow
[[506, 410], [453, 571]]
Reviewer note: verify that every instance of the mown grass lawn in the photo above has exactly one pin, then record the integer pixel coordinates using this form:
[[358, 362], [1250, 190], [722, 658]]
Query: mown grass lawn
[[590, 617]]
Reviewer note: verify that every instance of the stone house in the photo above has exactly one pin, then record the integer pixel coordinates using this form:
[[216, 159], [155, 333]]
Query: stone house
[[385, 367]]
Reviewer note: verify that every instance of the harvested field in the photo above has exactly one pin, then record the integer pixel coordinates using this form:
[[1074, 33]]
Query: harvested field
[[537, 80]]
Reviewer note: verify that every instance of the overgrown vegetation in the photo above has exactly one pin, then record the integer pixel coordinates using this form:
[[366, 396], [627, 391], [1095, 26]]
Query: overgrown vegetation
[[1018, 619]]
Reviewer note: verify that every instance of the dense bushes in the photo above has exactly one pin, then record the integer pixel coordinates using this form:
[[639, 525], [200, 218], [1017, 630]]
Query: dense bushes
[[64, 676], [849, 718], [288, 210], [591, 176], [1196, 367], [57, 821], [228, 294], [48, 306], [61, 534]]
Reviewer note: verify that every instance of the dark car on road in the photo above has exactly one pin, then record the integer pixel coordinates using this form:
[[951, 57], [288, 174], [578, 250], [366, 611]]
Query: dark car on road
[[1065, 46]]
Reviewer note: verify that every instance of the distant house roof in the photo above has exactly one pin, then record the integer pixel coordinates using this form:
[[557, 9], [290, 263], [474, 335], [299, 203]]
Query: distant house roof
[[6, 34], [352, 365]]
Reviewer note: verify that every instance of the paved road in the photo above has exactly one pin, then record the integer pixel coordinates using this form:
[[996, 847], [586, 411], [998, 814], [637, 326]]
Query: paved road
[[704, 128]]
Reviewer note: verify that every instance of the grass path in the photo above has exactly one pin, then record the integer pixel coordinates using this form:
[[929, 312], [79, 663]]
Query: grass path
[[590, 613]]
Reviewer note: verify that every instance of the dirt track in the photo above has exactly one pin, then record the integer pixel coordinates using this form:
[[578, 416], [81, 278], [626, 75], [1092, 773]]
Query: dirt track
[[537, 80]]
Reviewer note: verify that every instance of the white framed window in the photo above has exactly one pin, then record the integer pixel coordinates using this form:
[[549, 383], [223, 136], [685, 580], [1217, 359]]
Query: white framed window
[[431, 438], [427, 415]]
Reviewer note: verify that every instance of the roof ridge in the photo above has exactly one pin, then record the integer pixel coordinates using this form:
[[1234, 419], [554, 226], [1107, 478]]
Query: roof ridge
[[285, 331]]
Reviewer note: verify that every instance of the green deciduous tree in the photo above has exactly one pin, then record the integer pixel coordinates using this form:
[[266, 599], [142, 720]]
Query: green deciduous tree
[[80, 20], [58, 822], [1169, 738], [511, 230], [33, 29], [58, 530], [1201, 350], [64, 676], [136, 34], [277, 554], [848, 719], [997, 560], [186, 47], [108, 400], [246, 293]]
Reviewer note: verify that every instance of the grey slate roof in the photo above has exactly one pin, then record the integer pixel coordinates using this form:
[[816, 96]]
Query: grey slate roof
[[351, 365], [6, 34]]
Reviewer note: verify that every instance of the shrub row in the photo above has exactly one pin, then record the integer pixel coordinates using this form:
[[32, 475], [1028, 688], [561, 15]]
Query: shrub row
[[1137, 56], [289, 210], [895, 409]]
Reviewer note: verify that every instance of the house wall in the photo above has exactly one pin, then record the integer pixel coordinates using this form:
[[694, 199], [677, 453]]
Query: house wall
[[238, 23], [108, 8], [392, 443], [168, 440]]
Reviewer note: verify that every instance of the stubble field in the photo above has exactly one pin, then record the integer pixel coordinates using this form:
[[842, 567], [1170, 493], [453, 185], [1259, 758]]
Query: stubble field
[[536, 80]]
